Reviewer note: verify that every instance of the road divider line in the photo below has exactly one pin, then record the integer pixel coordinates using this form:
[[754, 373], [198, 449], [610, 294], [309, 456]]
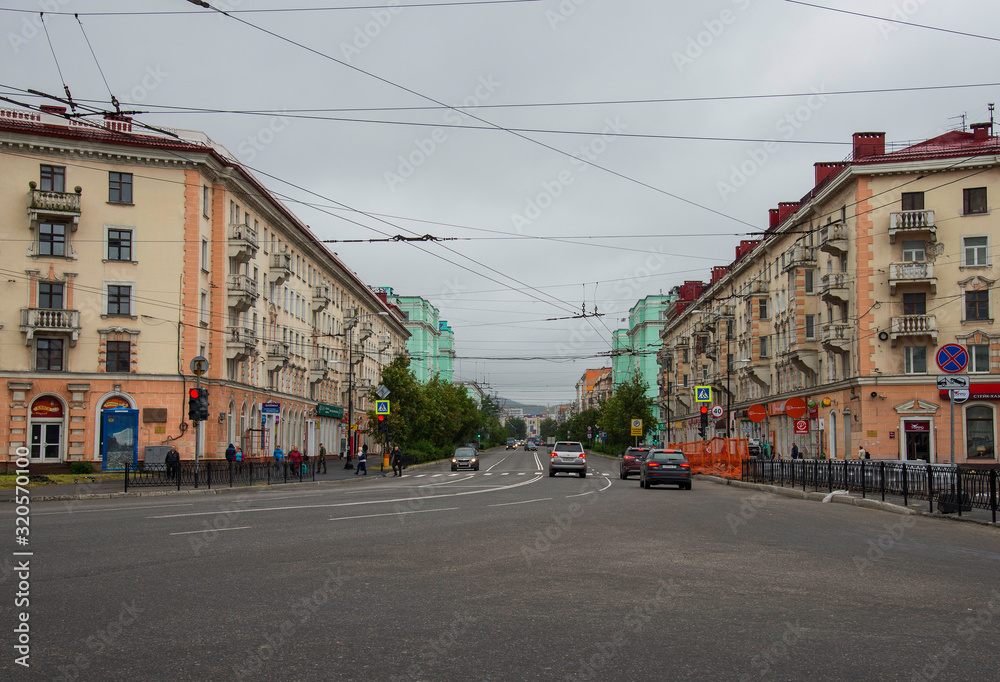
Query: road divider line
[[210, 530], [107, 509], [497, 464], [372, 516], [507, 504]]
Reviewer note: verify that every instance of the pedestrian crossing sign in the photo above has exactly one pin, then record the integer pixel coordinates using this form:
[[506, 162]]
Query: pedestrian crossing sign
[[703, 394], [381, 407]]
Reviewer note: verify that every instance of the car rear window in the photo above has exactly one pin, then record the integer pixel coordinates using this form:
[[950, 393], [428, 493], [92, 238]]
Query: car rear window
[[636, 453], [668, 456], [568, 447]]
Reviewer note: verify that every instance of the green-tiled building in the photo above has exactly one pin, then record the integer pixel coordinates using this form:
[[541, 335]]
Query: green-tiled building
[[431, 345]]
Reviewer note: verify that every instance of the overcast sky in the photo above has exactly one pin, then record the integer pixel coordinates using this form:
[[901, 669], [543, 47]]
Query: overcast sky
[[697, 196]]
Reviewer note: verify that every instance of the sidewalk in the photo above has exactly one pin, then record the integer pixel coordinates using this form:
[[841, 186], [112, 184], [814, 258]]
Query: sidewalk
[[892, 503], [85, 488]]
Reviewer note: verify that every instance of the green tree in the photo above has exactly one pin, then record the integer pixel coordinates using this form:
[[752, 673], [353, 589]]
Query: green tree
[[628, 402], [578, 423], [517, 428], [547, 428]]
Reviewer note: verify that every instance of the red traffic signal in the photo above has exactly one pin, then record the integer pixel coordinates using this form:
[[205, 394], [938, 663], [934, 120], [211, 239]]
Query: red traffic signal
[[381, 417], [194, 393], [704, 409]]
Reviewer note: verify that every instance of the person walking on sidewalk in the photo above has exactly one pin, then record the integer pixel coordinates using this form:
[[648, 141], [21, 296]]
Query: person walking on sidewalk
[[295, 459], [362, 460], [397, 461], [173, 461], [795, 451], [321, 461], [278, 456]]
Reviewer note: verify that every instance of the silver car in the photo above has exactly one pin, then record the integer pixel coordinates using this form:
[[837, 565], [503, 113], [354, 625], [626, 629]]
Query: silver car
[[568, 456], [465, 458]]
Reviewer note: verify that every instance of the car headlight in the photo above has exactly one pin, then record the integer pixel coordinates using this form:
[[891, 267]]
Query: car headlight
[[454, 461], [473, 459]]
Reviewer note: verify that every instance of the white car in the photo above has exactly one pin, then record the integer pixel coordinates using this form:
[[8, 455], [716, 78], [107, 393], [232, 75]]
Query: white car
[[568, 456]]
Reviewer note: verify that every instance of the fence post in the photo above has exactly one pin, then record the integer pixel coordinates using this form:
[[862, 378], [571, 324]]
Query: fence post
[[930, 487], [847, 481], [862, 479], [958, 486], [881, 475], [177, 472], [905, 484], [993, 493], [126, 476], [268, 472], [208, 475], [829, 474], [791, 465]]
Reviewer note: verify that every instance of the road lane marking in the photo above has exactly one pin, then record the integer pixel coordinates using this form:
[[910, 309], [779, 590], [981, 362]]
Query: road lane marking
[[436, 475], [507, 504], [347, 504], [497, 464], [420, 475], [506, 473], [210, 530], [488, 473], [590, 492], [520, 473], [538, 463], [107, 509], [372, 516]]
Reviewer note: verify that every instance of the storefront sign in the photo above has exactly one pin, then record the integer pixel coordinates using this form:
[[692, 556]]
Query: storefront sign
[[801, 426], [270, 408], [115, 402], [756, 413], [324, 410], [776, 408], [911, 426], [796, 408], [46, 407], [978, 392]]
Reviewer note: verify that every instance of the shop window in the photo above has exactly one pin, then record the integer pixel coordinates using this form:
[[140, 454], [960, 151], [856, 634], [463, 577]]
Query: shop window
[[979, 431]]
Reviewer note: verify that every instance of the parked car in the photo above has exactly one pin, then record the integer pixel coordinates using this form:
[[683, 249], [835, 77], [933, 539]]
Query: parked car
[[568, 456], [631, 461], [530, 445], [511, 444], [465, 458], [665, 466]]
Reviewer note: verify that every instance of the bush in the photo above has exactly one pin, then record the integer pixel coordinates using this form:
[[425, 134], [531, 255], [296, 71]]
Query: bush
[[426, 451], [81, 468]]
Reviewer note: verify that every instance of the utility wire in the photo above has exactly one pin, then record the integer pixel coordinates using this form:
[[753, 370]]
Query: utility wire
[[279, 9], [69, 97], [893, 21], [114, 100]]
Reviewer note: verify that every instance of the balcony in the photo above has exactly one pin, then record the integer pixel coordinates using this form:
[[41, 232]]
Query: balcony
[[836, 336], [277, 355], [64, 206], [804, 359], [911, 222], [711, 350], [241, 343], [681, 342], [758, 371], [913, 326], [757, 286], [833, 239], [281, 268], [321, 298], [50, 321], [319, 369], [242, 244], [833, 288], [800, 256], [241, 292], [912, 273]]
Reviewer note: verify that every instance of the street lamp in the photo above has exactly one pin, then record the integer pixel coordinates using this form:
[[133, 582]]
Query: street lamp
[[729, 363]]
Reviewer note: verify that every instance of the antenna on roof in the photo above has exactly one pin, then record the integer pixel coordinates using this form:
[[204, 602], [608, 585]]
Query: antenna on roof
[[990, 107], [962, 116]]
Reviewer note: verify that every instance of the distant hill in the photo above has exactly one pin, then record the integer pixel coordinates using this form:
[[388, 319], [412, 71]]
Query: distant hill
[[528, 409]]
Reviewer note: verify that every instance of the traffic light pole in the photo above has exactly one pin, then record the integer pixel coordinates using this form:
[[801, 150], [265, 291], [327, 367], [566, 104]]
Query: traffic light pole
[[197, 431]]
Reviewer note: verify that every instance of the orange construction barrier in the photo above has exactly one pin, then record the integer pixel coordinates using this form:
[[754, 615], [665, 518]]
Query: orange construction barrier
[[718, 456]]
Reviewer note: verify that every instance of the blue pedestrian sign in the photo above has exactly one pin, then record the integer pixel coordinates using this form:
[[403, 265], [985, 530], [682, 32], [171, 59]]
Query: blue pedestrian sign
[[952, 358], [381, 407], [703, 394]]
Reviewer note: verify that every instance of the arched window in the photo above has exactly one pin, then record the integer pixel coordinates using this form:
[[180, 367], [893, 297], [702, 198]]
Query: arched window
[[979, 431]]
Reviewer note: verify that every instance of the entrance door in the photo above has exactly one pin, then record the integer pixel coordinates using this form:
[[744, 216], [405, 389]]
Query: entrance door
[[918, 445], [45, 440]]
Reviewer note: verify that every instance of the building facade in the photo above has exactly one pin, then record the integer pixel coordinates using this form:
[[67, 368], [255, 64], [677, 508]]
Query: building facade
[[830, 325], [431, 345], [593, 388], [634, 349], [130, 254]]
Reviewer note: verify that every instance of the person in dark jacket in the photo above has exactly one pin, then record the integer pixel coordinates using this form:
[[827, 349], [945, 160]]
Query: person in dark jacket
[[362, 460], [231, 454], [172, 460], [795, 451], [397, 461]]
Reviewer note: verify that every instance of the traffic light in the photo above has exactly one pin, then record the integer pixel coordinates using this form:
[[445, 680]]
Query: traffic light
[[383, 425], [198, 405], [703, 426]]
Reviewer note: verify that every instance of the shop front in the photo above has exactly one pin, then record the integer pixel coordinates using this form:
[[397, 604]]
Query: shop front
[[47, 429]]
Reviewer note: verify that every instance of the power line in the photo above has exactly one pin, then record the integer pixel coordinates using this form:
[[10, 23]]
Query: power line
[[893, 21], [272, 10]]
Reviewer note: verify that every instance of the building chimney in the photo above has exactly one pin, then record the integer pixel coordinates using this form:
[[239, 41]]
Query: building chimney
[[785, 209], [868, 144], [825, 169], [772, 218], [981, 131], [52, 109]]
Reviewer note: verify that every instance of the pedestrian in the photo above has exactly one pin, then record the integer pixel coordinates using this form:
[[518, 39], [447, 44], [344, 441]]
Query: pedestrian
[[172, 460], [397, 461], [278, 456], [238, 458], [362, 460], [795, 451], [863, 453], [295, 459], [321, 462], [231, 455]]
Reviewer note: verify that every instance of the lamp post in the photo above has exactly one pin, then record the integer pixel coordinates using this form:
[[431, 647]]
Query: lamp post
[[729, 363], [349, 331]]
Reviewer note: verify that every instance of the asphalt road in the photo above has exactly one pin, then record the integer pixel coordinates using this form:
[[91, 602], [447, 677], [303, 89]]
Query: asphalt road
[[500, 574]]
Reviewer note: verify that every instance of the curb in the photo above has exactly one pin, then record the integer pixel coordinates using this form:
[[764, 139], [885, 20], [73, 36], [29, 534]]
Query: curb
[[864, 503]]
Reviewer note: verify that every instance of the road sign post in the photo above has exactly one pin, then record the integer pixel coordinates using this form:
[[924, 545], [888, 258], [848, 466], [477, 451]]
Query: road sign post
[[199, 366]]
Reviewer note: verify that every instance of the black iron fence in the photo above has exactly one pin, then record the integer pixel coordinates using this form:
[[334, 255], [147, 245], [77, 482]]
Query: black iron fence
[[953, 488], [215, 474]]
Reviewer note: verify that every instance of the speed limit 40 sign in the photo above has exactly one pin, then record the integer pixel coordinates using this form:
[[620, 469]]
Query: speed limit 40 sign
[[717, 411]]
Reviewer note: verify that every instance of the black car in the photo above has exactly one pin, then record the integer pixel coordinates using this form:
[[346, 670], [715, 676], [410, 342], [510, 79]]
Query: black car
[[665, 466]]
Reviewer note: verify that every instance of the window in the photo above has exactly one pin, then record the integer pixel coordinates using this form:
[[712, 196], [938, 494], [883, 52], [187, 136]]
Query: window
[[119, 356], [119, 188], [50, 295], [52, 239], [974, 251], [913, 201], [914, 304], [119, 299], [810, 281], [764, 349], [684, 357], [206, 197], [916, 360], [48, 355], [810, 326], [913, 252], [203, 313], [973, 200], [52, 179], [763, 308], [119, 244], [979, 431], [977, 305], [684, 380], [979, 358], [204, 255]]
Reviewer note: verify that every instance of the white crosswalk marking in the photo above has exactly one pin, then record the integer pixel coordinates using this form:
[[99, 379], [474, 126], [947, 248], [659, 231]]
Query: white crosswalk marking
[[520, 473], [450, 475], [420, 475], [436, 475], [488, 473], [506, 473]]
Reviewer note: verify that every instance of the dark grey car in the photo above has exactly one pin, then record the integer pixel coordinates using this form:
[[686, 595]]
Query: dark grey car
[[465, 458]]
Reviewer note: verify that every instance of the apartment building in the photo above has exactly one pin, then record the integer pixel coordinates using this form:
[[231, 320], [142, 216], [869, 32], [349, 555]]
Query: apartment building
[[129, 253], [593, 388], [843, 304], [431, 345]]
